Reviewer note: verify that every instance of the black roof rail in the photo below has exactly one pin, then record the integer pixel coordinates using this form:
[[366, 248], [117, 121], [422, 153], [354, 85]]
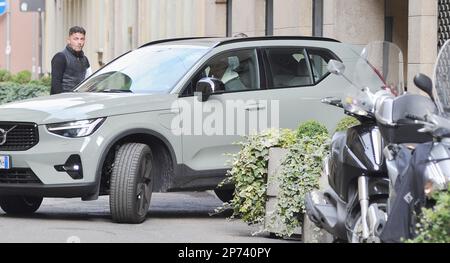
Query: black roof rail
[[247, 39], [171, 40], [230, 40]]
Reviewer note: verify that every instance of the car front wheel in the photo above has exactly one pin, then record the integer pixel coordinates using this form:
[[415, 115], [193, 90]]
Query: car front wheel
[[131, 183], [20, 205]]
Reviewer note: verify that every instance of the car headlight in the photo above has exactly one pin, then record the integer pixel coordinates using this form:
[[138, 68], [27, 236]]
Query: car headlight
[[76, 129], [435, 179]]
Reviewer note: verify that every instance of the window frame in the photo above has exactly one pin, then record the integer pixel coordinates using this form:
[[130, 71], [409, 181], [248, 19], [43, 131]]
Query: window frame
[[332, 55], [262, 76], [268, 72]]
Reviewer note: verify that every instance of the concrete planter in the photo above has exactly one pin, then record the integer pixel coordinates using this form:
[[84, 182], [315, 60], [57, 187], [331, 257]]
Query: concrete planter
[[276, 156]]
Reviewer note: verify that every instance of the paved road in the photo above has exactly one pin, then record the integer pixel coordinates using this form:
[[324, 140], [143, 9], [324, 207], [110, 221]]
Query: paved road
[[173, 217]]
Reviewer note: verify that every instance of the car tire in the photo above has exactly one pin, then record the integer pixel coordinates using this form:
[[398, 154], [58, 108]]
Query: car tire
[[225, 195], [20, 205], [131, 183], [312, 234]]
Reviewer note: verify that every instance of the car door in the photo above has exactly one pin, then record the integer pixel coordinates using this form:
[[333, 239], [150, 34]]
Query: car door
[[211, 128], [298, 78]]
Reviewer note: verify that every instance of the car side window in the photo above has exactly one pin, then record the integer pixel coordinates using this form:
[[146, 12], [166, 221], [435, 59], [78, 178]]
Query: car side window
[[319, 61], [289, 67], [238, 70]]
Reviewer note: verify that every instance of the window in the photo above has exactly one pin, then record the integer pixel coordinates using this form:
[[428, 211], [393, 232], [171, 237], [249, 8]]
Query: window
[[145, 70], [319, 61], [289, 67], [238, 70]]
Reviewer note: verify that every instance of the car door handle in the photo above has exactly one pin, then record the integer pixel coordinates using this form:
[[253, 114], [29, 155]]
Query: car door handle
[[254, 107]]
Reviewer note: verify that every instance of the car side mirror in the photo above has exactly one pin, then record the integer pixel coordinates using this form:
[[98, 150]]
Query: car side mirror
[[424, 83], [209, 86], [336, 67]]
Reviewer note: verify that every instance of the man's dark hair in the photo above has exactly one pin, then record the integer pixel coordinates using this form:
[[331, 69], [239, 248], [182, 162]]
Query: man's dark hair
[[77, 29]]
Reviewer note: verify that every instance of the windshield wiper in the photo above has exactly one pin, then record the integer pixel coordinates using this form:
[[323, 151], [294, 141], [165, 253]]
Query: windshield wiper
[[116, 91]]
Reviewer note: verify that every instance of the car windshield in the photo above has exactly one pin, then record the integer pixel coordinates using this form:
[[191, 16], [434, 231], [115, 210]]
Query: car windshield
[[152, 69]]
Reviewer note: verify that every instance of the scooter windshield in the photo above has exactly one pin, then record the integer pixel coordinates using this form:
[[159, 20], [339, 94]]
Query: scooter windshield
[[379, 67], [441, 90]]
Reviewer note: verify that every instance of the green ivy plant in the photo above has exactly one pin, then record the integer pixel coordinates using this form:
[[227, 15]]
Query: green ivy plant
[[249, 173], [300, 174], [434, 226]]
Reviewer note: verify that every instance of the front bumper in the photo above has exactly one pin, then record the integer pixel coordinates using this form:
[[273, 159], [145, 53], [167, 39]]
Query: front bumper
[[41, 161], [61, 191]]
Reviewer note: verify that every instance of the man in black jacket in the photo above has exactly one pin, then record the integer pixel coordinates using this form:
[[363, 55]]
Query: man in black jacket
[[71, 66]]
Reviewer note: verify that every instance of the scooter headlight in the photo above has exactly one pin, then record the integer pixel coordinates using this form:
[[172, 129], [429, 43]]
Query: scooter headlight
[[435, 179], [76, 129]]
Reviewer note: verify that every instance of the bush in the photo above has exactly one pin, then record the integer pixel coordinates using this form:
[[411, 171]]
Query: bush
[[44, 81], [311, 129], [22, 77], [434, 226], [10, 92], [300, 174], [346, 123], [4, 75], [249, 174]]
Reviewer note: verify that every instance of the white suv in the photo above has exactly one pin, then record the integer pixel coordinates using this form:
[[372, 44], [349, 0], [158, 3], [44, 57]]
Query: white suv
[[161, 118]]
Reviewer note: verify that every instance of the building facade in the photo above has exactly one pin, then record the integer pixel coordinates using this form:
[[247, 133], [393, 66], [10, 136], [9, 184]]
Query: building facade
[[117, 26], [21, 31]]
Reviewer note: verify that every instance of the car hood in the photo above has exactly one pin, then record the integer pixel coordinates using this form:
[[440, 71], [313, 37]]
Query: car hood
[[80, 106]]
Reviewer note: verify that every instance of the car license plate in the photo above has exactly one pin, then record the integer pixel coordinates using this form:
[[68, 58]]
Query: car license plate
[[5, 162]]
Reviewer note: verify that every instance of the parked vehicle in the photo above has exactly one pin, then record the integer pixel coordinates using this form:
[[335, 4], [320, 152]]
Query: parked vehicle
[[354, 207], [413, 161], [416, 172], [133, 128]]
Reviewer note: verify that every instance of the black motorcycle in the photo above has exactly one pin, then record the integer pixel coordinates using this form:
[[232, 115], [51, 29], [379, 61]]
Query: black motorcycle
[[355, 206], [413, 165]]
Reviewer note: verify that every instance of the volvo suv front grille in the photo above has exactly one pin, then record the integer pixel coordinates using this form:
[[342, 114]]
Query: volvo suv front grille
[[18, 136]]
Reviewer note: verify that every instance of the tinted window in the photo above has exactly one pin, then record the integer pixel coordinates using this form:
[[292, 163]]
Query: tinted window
[[238, 70], [319, 61], [289, 67]]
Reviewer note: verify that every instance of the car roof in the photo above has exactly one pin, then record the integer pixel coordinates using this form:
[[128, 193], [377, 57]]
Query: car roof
[[217, 41]]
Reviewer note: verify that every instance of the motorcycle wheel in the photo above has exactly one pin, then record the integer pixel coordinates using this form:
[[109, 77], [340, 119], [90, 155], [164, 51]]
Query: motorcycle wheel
[[354, 235]]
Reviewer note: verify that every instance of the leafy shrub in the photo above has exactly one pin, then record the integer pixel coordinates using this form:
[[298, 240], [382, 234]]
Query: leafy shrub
[[300, 174], [10, 92], [22, 77], [249, 173], [346, 123], [46, 80], [434, 226], [5, 75], [311, 129]]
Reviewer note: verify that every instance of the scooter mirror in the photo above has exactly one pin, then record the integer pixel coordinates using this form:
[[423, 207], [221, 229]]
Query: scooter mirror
[[424, 83], [336, 67], [333, 101]]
